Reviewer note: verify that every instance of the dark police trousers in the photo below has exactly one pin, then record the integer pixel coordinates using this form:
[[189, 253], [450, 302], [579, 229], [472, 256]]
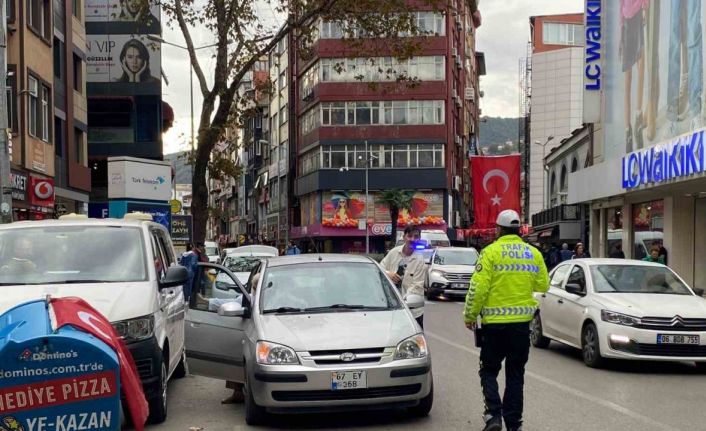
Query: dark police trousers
[[509, 342]]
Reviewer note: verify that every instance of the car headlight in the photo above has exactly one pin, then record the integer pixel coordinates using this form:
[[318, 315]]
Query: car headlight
[[618, 318], [135, 329], [275, 354], [412, 348], [438, 273]]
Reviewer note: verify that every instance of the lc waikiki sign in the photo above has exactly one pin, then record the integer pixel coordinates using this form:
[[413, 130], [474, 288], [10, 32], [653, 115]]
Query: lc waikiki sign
[[592, 88], [679, 158]]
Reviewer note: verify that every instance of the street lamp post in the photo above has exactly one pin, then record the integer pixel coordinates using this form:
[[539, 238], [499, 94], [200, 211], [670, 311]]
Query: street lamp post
[[544, 170]]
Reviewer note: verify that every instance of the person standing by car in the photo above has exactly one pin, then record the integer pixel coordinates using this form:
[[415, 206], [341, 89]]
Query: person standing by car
[[292, 249], [407, 269], [501, 292], [654, 256], [580, 252]]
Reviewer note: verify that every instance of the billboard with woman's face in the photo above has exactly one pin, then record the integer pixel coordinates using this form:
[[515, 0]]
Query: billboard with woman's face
[[653, 77], [123, 58], [122, 16]]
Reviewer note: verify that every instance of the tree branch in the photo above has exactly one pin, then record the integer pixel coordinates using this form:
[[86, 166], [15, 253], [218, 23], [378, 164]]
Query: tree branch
[[178, 10]]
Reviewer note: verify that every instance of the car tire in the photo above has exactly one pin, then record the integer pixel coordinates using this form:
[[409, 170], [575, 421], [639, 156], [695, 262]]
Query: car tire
[[591, 347], [254, 414], [537, 335], [425, 404], [430, 296], [181, 369], [158, 403]]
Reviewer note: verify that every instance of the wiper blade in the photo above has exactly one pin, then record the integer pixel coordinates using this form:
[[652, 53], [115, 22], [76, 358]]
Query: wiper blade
[[345, 307], [282, 310], [77, 281]]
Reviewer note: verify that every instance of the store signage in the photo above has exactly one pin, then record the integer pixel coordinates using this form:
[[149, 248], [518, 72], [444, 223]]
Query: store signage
[[679, 158], [41, 192], [130, 178], [182, 226], [593, 45], [18, 182], [381, 229]]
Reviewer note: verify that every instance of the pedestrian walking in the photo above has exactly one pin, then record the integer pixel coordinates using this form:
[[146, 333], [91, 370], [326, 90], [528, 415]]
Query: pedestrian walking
[[407, 269], [565, 253], [292, 249], [501, 293], [580, 252]]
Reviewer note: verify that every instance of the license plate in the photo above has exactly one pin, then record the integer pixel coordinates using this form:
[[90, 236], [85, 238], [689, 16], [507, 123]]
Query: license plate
[[344, 380], [459, 285], [677, 339]]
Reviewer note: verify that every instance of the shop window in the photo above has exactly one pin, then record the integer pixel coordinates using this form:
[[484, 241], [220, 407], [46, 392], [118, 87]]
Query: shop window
[[574, 165], [614, 231], [647, 227]]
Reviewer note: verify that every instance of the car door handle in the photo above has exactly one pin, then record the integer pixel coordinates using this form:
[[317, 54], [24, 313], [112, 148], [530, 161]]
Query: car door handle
[[561, 301]]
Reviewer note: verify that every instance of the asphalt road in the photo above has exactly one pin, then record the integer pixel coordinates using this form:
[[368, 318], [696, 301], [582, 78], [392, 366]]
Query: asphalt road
[[560, 393]]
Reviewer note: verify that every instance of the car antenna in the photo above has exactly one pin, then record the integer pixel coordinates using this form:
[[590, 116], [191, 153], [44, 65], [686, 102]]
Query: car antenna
[[316, 247]]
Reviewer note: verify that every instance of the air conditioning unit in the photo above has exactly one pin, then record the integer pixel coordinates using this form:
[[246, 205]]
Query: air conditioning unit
[[456, 183], [482, 93], [457, 140], [470, 94], [457, 59], [458, 20], [458, 102], [454, 51]]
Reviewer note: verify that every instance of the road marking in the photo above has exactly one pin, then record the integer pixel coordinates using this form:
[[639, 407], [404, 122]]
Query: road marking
[[580, 394]]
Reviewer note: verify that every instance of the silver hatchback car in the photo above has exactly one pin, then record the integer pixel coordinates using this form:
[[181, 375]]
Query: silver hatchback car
[[310, 333]]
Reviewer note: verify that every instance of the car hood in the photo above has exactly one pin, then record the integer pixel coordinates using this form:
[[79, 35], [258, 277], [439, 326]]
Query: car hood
[[116, 301], [654, 305], [456, 269], [338, 330]]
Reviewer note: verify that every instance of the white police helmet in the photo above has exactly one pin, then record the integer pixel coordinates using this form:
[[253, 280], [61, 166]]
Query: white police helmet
[[508, 218]]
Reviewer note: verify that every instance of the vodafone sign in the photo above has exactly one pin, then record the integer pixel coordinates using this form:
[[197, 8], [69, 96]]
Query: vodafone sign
[[41, 192]]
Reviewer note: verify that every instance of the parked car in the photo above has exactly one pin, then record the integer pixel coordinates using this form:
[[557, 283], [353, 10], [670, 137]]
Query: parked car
[[126, 269], [312, 333], [242, 260], [613, 308], [450, 272]]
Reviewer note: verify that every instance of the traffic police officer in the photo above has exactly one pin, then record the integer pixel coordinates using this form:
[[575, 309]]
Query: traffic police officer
[[508, 272]]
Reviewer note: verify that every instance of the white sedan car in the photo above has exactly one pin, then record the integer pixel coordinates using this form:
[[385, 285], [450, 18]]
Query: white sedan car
[[623, 309]]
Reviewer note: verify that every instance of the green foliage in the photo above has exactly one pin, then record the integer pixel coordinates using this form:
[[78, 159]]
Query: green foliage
[[495, 131]]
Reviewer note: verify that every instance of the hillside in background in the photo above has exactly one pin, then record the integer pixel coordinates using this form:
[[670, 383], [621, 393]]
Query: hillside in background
[[183, 170], [495, 132]]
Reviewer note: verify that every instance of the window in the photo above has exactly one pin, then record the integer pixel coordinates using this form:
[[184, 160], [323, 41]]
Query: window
[[59, 137], [402, 156], [577, 276], [552, 189], [555, 33], [424, 68], [10, 10], [574, 165], [58, 57], [39, 17], [282, 80], [76, 8], [558, 277], [428, 23], [412, 112], [283, 115], [33, 106], [78, 73], [46, 114], [11, 92], [310, 121], [647, 227], [80, 147]]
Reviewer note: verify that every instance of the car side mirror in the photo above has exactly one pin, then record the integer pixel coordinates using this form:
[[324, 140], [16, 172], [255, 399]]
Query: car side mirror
[[698, 291], [231, 309], [575, 289], [414, 301], [176, 276]]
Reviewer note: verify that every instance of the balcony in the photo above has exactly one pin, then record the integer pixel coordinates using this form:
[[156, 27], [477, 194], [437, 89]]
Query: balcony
[[561, 213]]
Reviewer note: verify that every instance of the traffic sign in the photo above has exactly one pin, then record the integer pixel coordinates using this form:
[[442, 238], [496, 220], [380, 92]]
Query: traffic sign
[[176, 206]]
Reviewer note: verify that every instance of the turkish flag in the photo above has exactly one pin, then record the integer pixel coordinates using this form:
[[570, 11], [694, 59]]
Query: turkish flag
[[78, 313], [496, 187]]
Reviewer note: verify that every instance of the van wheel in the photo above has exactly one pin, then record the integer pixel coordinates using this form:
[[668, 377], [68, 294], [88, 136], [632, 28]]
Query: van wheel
[[254, 414], [158, 404], [181, 369]]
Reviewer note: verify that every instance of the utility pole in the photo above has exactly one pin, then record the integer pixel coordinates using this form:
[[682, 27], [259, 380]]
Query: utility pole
[[5, 186]]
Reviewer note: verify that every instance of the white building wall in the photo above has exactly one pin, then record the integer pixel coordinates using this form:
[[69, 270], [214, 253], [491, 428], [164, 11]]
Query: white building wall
[[556, 110]]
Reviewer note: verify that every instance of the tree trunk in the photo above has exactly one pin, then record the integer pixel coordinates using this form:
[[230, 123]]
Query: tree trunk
[[199, 198], [394, 213]]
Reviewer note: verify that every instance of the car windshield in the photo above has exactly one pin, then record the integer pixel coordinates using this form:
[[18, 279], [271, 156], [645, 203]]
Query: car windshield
[[637, 279], [456, 257], [241, 263], [326, 287], [72, 254]]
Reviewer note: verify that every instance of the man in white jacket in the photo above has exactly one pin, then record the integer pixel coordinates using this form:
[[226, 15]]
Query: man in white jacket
[[406, 268]]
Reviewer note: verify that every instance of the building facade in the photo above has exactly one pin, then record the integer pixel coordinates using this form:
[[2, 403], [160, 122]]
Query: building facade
[[353, 123], [555, 97]]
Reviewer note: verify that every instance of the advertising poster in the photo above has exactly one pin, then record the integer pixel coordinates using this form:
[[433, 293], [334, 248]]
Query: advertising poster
[[342, 209], [182, 226], [427, 210], [123, 58], [653, 73], [161, 213], [123, 16]]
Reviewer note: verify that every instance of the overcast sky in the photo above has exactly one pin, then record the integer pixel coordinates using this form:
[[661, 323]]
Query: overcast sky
[[503, 37]]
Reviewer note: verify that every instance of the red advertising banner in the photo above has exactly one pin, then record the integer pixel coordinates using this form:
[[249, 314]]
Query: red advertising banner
[[41, 191], [496, 187]]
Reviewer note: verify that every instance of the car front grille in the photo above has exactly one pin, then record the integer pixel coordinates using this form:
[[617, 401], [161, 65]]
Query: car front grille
[[353, 394], [675, 323], [668, 350], [144, 368], [362, 356], [458, 278]]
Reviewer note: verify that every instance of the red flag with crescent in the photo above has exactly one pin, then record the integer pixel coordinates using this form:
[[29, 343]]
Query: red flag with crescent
[[496, 187]]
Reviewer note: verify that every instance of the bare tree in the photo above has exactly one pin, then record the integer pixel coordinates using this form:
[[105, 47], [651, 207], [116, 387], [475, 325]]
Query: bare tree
[[367, 26]]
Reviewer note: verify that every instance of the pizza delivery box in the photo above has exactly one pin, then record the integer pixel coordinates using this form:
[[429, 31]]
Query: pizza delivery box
[[55, 379]]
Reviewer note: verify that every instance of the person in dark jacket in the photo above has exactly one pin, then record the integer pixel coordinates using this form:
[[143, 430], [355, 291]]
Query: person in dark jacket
[[292, 249], [580, 252], [565, 253], [618, 252]]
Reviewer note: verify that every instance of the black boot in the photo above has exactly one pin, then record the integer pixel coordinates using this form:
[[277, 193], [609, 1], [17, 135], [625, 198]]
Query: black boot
[[494, 424]]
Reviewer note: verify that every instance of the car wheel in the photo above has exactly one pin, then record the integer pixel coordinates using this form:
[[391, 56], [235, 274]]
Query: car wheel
[[430, 295], [537, 335], [591, 347], [181, 369], [424, 407], [254, 414], [158, 404]]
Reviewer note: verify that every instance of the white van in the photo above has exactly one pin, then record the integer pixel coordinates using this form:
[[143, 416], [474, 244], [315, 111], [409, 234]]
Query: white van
[[642, 241], [126, 269], [212, 253], [433, 237]]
